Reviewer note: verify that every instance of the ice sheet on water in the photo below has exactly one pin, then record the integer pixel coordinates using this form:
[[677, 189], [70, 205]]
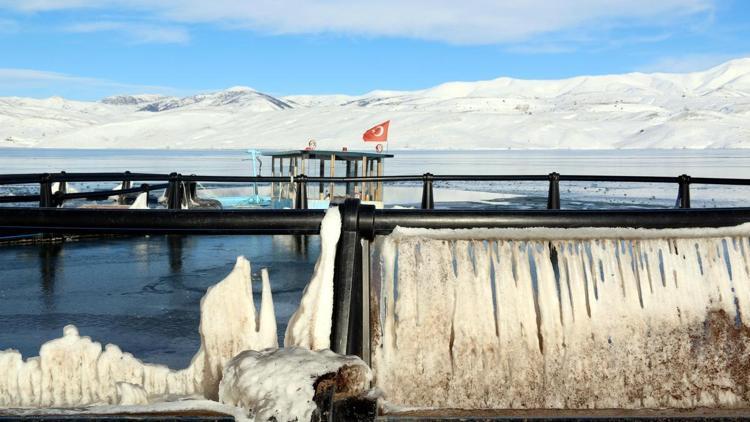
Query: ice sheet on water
[[555, 318]]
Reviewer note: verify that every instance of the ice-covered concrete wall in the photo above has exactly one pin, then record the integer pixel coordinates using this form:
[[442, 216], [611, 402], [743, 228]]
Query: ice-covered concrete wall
[[563, 318]]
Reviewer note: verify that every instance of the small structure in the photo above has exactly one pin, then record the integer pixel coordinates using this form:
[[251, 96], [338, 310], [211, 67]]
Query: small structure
[[320, 163]]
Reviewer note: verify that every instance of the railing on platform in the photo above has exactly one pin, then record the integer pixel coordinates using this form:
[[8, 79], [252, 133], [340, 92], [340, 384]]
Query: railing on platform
[[360, 223], [175, 183]]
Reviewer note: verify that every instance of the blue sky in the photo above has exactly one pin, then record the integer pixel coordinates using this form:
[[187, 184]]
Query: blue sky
[[87, 49]]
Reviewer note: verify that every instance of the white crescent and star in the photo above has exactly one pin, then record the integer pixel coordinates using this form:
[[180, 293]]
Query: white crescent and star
[[378, 131]]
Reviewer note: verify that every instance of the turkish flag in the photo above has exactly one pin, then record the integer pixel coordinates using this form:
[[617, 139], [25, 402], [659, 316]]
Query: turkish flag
[[378, 133]]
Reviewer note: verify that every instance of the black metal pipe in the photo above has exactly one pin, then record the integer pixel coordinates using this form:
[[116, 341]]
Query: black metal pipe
[[19, 179], [623, 179], [268, 221], [161, 221], [386, 220], [109, 177], [18, 198], [126, 176]]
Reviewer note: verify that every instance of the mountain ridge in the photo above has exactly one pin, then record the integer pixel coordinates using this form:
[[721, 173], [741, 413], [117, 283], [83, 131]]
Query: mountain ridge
[[708, 109]]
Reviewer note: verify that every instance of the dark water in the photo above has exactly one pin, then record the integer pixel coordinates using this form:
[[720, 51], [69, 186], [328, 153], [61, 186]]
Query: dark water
[[142, 293]]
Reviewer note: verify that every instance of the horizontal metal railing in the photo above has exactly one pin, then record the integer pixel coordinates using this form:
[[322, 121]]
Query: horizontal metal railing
[[370, 221], [175, 181]]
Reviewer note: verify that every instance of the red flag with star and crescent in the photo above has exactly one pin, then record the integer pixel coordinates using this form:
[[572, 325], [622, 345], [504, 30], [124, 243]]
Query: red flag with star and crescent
[[378, 133]]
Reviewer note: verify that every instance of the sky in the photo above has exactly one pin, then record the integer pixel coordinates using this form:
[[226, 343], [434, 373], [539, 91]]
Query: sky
[[89, 49]]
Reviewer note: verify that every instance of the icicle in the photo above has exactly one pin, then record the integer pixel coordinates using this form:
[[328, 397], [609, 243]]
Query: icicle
[[310, 325], [582, 318]]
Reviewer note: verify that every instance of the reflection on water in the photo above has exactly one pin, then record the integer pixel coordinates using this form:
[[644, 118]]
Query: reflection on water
[[142, 293], [48, 269]]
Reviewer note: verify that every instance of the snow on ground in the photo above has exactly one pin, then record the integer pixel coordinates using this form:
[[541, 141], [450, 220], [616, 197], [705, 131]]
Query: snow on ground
[[709, 109]]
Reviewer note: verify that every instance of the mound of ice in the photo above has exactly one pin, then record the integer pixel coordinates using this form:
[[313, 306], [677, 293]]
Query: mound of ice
[[278, 384]]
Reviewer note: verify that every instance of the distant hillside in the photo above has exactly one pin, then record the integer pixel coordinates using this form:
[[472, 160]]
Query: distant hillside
[[709, 109]]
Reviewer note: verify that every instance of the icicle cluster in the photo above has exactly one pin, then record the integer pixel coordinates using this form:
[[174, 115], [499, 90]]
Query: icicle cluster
[[473, 320], [74, 370]]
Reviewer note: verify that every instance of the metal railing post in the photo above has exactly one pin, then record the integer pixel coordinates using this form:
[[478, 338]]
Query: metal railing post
[[300, 192], [45, 192], [553, 195], [428, 200], [683, 194], [348, 335], [126, 184], [174, 192], [58, 198], [146, 188]]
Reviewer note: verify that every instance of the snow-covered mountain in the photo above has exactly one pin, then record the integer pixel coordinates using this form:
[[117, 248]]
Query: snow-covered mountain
[[709, 109]]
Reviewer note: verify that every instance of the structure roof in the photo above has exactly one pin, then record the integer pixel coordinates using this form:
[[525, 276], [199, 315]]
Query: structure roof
[[326, 155]]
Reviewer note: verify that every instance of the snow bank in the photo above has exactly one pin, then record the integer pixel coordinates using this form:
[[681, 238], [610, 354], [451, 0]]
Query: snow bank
[[278, 384], [74, 370], [560, 319], [310, 325]]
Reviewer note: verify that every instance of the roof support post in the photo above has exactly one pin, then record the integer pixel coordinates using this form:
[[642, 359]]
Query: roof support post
[[45, 192], [428, 199], [300, 197], [174, 192], [683, 195], [553, 195]]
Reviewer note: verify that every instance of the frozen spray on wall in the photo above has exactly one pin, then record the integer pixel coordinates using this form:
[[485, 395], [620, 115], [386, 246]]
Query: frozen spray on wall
[[556, 318]]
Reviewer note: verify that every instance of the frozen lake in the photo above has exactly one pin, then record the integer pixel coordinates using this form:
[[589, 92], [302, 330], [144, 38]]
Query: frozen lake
[[704, 163], [142, 293]]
